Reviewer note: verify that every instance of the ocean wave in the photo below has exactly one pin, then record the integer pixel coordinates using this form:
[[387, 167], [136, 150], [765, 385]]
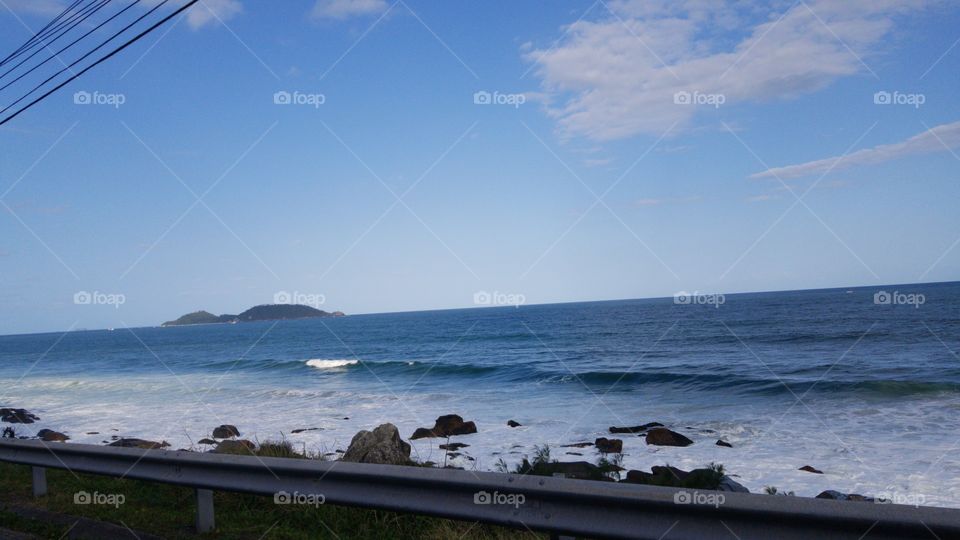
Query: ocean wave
[[321, 363]]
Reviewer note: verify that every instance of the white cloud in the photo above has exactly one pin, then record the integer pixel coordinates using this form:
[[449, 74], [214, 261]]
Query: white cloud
[[617, 76], [211, 11], [937, 139], [344, 9]]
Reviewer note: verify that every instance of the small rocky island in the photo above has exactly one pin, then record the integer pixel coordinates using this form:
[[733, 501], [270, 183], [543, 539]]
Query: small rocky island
[[267, 312]]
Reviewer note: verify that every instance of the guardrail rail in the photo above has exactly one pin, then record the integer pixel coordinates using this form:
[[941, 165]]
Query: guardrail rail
[[558, 506]]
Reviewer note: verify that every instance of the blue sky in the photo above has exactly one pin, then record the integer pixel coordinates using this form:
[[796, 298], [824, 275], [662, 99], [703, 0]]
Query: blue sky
[[595, 178]]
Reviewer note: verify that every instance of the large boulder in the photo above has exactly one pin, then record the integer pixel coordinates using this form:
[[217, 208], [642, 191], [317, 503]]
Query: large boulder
[[635, 429], [609, 446], [383, 445], [225, 431], [661, 436], [138, 443], [49, 435], [810, 469], [838, 496], [18, 416], [446, 426], [241, 447]]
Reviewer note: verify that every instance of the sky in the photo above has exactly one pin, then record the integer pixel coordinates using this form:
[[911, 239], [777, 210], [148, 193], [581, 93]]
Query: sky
[[371, 156]]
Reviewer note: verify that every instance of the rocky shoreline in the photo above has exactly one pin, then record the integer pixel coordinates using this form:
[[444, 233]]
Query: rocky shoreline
[[384, 445]]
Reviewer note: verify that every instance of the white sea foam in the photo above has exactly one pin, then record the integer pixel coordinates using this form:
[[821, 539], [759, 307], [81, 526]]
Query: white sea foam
[[320, 363]]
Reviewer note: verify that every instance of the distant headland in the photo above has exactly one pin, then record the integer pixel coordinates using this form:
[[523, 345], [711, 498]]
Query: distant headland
[[267, 312]]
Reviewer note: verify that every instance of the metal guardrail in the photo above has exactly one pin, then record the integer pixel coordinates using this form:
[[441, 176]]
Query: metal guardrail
[[555, 505]]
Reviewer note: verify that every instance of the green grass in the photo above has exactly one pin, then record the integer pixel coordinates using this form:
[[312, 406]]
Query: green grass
[[169, 511]]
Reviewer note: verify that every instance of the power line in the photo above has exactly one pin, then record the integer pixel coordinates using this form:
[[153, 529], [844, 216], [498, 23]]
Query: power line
[[42, 30], [56, 54], [78, 60], [131, 41], [65, 26]]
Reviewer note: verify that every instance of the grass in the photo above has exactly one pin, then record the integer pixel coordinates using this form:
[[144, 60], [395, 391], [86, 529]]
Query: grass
[[169, 511]]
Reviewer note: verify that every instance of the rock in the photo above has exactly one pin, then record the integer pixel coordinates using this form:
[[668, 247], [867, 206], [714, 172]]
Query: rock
[[206, 441], [673, 477], [724, 443], [837, 496], [635, 429], [138, 443], [235, 446], [93, 433], [446, 426], [661, 436], [573, 453], [225, 432], [575, 469], [301, 430], [382, 445], [50, 435], [513, 423], [18, 416], [729, 484], [810, 469], [453, 446], [578, 445], [609, 446]]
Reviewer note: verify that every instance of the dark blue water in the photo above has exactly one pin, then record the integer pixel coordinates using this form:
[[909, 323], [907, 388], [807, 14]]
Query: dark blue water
[[765, 370]]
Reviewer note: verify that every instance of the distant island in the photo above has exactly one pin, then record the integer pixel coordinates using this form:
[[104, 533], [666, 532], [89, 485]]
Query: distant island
[[267, 312]]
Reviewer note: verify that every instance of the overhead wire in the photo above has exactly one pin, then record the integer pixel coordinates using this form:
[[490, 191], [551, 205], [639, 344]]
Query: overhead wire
[[104, 58]]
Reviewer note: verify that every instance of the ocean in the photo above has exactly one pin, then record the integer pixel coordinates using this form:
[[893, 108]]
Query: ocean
[[862, 384]]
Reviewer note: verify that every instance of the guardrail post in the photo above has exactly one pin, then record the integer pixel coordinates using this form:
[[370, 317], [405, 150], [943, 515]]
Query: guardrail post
[[205, 522], [39, 481]]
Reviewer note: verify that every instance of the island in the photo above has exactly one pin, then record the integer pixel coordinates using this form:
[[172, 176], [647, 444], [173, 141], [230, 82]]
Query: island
[[266, 312]]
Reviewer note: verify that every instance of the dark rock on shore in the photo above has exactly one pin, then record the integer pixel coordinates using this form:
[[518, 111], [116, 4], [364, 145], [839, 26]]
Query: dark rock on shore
[[808, 468], [49, 435], [837, 496], [225, 431], [235, 446], [674, 477], [721, 442], [578, 445], [301, 430], [661, 436], [383, 445], [609, 446], [139, 443], [453, 446], [582, 470], [446, 426], [513, 423], [635, 429], [206, 441], [18, 416], [573, 453]]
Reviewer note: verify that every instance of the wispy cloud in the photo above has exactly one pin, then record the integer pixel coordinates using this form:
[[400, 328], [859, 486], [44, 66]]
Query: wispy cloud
[[212, 11], [618, 75], [345, 9], [942, 138]]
